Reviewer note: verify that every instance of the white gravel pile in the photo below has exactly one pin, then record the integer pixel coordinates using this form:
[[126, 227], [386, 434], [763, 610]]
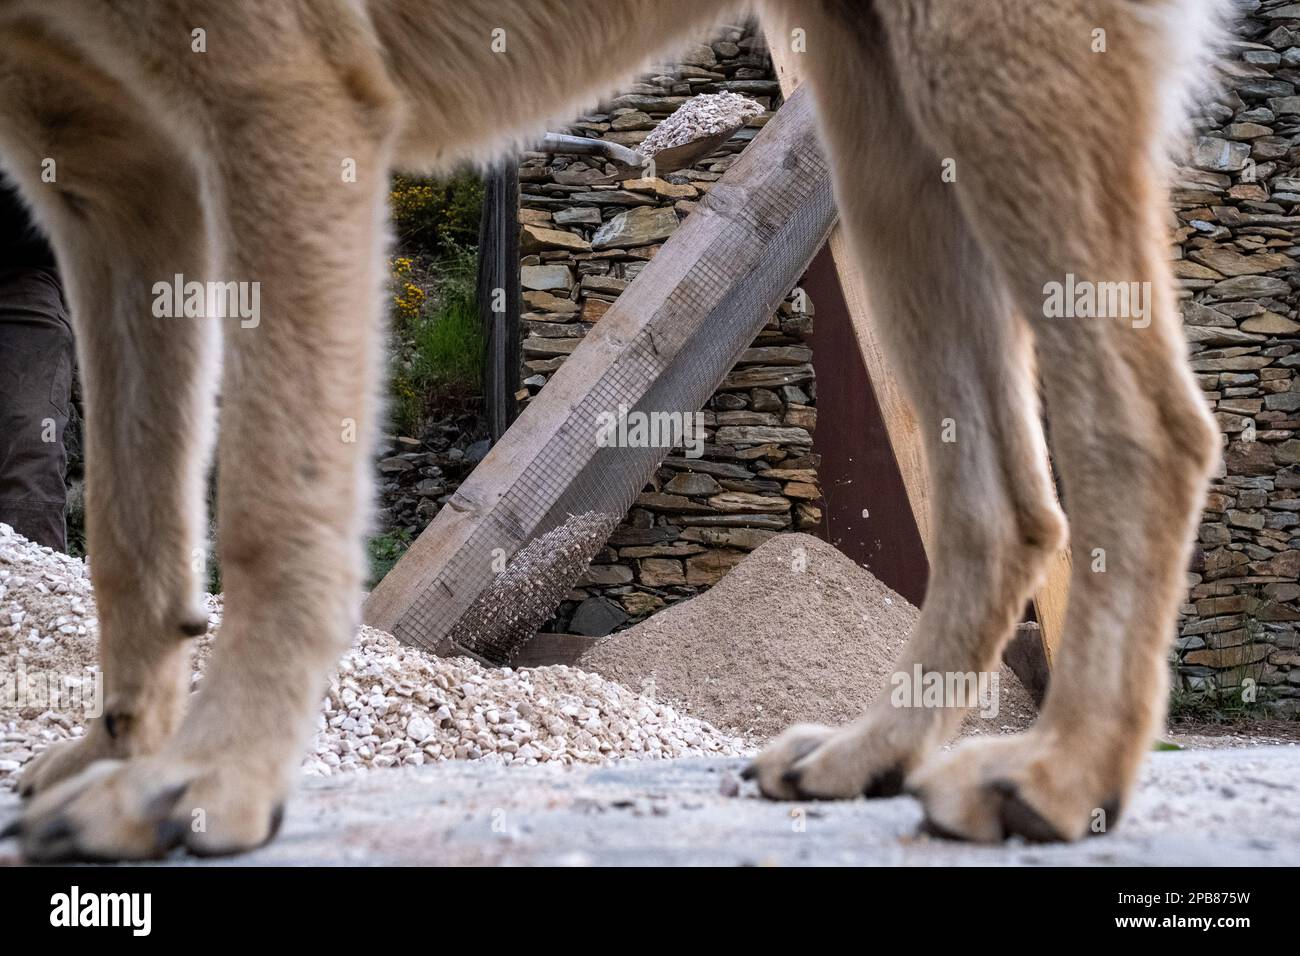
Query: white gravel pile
[[708, 114], [47, 634], [388, 705], [393, 705]]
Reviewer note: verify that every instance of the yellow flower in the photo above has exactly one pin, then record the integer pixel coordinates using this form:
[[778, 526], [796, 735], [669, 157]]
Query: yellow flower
[[408, 304]]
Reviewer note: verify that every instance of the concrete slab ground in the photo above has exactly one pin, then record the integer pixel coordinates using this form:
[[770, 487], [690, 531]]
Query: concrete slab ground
[[1209, 807]]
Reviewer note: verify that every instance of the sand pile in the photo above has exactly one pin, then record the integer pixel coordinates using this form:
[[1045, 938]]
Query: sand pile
[[388, 705], [709, 114], [795, 632]]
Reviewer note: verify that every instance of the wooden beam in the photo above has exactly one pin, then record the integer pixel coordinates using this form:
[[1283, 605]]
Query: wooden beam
[[868, 514], [1051, 600], [900, 422], [509, 544]]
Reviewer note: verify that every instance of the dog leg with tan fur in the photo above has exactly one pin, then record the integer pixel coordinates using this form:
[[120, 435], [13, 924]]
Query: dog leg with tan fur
[[1134, 446], [295, 439], [124, 213], [1063, 180], [963, 357]]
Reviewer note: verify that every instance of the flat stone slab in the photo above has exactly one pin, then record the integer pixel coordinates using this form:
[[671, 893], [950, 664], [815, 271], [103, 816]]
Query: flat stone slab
[[1195, 808]]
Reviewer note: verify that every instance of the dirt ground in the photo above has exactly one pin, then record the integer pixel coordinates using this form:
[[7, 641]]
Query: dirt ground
[[1222, 807], [1200, 735]]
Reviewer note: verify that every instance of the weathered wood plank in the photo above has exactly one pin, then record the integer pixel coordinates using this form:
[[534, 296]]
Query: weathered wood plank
[[664, 346], [1051, 600]]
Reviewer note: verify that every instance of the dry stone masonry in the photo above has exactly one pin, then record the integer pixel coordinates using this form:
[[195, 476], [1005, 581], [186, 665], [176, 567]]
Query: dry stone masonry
[[585, 235], [1238, 207]]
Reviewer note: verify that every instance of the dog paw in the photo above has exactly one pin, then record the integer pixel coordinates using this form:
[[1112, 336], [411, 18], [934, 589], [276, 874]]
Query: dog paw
[[810, 762], [771, 767], [132, 725], [143, 808], [66, 759], [990, 790]]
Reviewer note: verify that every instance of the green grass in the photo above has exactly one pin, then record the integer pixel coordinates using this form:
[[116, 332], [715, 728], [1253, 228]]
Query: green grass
[[440, 352], [448, 346], [384, 552], [76, 519], [1219, 705]]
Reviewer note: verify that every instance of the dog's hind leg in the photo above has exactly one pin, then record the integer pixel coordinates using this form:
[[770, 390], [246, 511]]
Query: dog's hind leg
[[121, 205], [963, 358], [1057, 152]]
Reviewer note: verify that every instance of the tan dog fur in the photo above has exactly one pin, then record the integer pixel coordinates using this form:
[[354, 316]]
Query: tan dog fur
[[226, 165]]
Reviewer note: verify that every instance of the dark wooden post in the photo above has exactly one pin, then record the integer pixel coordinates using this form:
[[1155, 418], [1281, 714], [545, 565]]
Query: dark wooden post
[[499, 295], [868, 514]]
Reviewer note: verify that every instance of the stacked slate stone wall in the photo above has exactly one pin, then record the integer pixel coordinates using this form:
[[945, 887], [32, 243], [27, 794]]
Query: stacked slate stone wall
[[1237, 202], [1238, 208], [584, 240]]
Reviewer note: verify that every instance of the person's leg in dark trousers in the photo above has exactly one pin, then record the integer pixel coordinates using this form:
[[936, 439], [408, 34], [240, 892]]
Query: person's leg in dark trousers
[[36, 368]]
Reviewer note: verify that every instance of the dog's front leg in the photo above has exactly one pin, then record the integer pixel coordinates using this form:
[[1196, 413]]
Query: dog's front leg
[[120, 203], [300, 174]]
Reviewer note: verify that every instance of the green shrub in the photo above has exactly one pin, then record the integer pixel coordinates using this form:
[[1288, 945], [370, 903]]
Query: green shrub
[[441, 341], [384, 552], [437, 341], [434, 217]]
